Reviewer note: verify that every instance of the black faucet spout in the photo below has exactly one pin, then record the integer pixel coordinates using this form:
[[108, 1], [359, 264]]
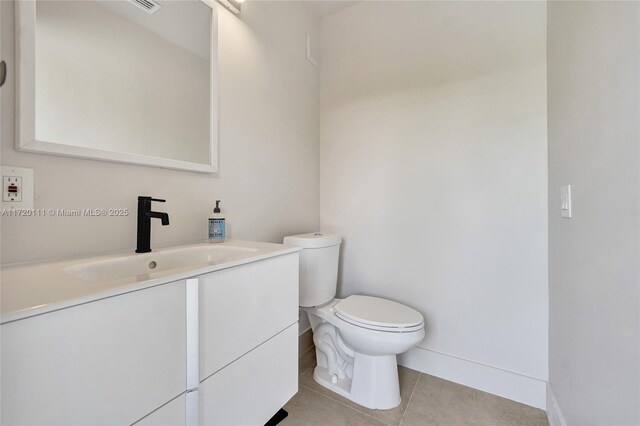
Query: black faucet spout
[[164, 217], [144, 223]]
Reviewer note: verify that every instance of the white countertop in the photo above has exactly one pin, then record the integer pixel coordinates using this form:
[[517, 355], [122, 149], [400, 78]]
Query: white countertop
[[37, 288]]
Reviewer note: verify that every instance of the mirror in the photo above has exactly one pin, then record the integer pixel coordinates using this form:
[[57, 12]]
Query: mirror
[[119, 80]]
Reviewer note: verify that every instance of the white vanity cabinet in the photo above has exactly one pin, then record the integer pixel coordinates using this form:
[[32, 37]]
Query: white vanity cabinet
[[242, 307], [172, 413], [248, 341], [111, 361], [252, 389], [211, 346]]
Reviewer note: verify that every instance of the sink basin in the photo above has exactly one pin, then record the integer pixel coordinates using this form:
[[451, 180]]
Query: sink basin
[[159, 262], [34, 288]]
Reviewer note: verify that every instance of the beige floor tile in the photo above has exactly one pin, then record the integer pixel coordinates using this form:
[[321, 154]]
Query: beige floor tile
[[502, 411], [440, 402], [309, 408], [408, 379], [307, 360]]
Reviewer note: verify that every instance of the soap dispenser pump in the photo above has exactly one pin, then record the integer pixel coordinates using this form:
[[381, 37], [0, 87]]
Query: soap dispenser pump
[[216, 225]]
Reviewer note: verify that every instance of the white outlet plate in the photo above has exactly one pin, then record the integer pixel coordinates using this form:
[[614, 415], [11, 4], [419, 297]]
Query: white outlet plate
[[565, 201], [12, 188], [21, 177]]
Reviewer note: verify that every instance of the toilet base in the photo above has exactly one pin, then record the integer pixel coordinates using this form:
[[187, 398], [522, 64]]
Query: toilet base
[[374, 383]]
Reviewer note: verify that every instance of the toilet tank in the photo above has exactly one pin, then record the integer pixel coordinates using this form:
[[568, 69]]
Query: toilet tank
[[318, 266]]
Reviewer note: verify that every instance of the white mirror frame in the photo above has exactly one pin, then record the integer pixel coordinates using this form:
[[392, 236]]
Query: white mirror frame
[[26, 102]]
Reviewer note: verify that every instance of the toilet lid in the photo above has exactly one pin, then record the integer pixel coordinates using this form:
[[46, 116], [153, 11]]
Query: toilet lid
[[379, 314]]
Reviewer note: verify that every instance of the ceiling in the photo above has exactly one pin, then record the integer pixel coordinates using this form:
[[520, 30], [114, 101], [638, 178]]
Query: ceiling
[[324, 8]]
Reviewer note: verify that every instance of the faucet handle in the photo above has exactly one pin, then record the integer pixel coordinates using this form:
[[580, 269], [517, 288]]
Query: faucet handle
[[147, 198]]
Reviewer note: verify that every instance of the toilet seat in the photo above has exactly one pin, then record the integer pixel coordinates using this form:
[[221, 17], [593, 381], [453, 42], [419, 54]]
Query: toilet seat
[[379, 314]]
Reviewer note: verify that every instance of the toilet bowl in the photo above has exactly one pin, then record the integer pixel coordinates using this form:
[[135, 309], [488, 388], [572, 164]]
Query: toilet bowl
[[356, 338], [358, 360]]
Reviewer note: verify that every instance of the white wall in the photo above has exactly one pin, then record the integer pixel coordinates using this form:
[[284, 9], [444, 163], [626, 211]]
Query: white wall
[[433, 169], [594, 145], [268, 179]]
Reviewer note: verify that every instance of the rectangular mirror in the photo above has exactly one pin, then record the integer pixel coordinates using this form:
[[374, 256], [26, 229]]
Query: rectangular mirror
[[129, 81]]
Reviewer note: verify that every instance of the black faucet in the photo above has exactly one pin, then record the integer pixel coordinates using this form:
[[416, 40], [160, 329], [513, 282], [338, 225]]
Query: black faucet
[[144, 222]]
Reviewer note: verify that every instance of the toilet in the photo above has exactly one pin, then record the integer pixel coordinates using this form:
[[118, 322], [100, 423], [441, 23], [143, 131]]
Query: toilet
[[356, 338]]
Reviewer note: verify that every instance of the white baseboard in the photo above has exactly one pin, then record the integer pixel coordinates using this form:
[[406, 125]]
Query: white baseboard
[[554, 415], [305, 341], [507, 384]]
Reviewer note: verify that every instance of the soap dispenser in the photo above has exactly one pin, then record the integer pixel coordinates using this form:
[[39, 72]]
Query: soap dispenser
[[216, 225]]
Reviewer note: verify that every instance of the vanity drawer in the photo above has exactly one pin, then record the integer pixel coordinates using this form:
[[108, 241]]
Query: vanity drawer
[[253, 388], [174, 413], [107, 362], [242, 307]]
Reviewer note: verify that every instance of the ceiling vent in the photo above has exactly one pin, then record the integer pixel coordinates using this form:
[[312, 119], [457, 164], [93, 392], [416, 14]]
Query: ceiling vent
[[148, 6], [232, 5]]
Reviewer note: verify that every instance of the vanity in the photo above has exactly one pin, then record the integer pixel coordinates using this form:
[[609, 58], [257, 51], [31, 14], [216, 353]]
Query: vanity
[[200, 334]]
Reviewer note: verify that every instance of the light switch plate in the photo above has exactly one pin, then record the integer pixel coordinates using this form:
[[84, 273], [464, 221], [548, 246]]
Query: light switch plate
[[565, 201], [312, 50], [22, 178]]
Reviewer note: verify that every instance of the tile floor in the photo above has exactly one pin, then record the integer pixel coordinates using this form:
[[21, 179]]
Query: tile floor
[[426, 400]]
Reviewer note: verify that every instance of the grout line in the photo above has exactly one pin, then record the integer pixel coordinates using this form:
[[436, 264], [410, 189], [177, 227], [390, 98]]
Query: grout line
[[338, 397], [362, 412], [410, 398], [306, 369], [303, 371], [344, 405], [308, 349]]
